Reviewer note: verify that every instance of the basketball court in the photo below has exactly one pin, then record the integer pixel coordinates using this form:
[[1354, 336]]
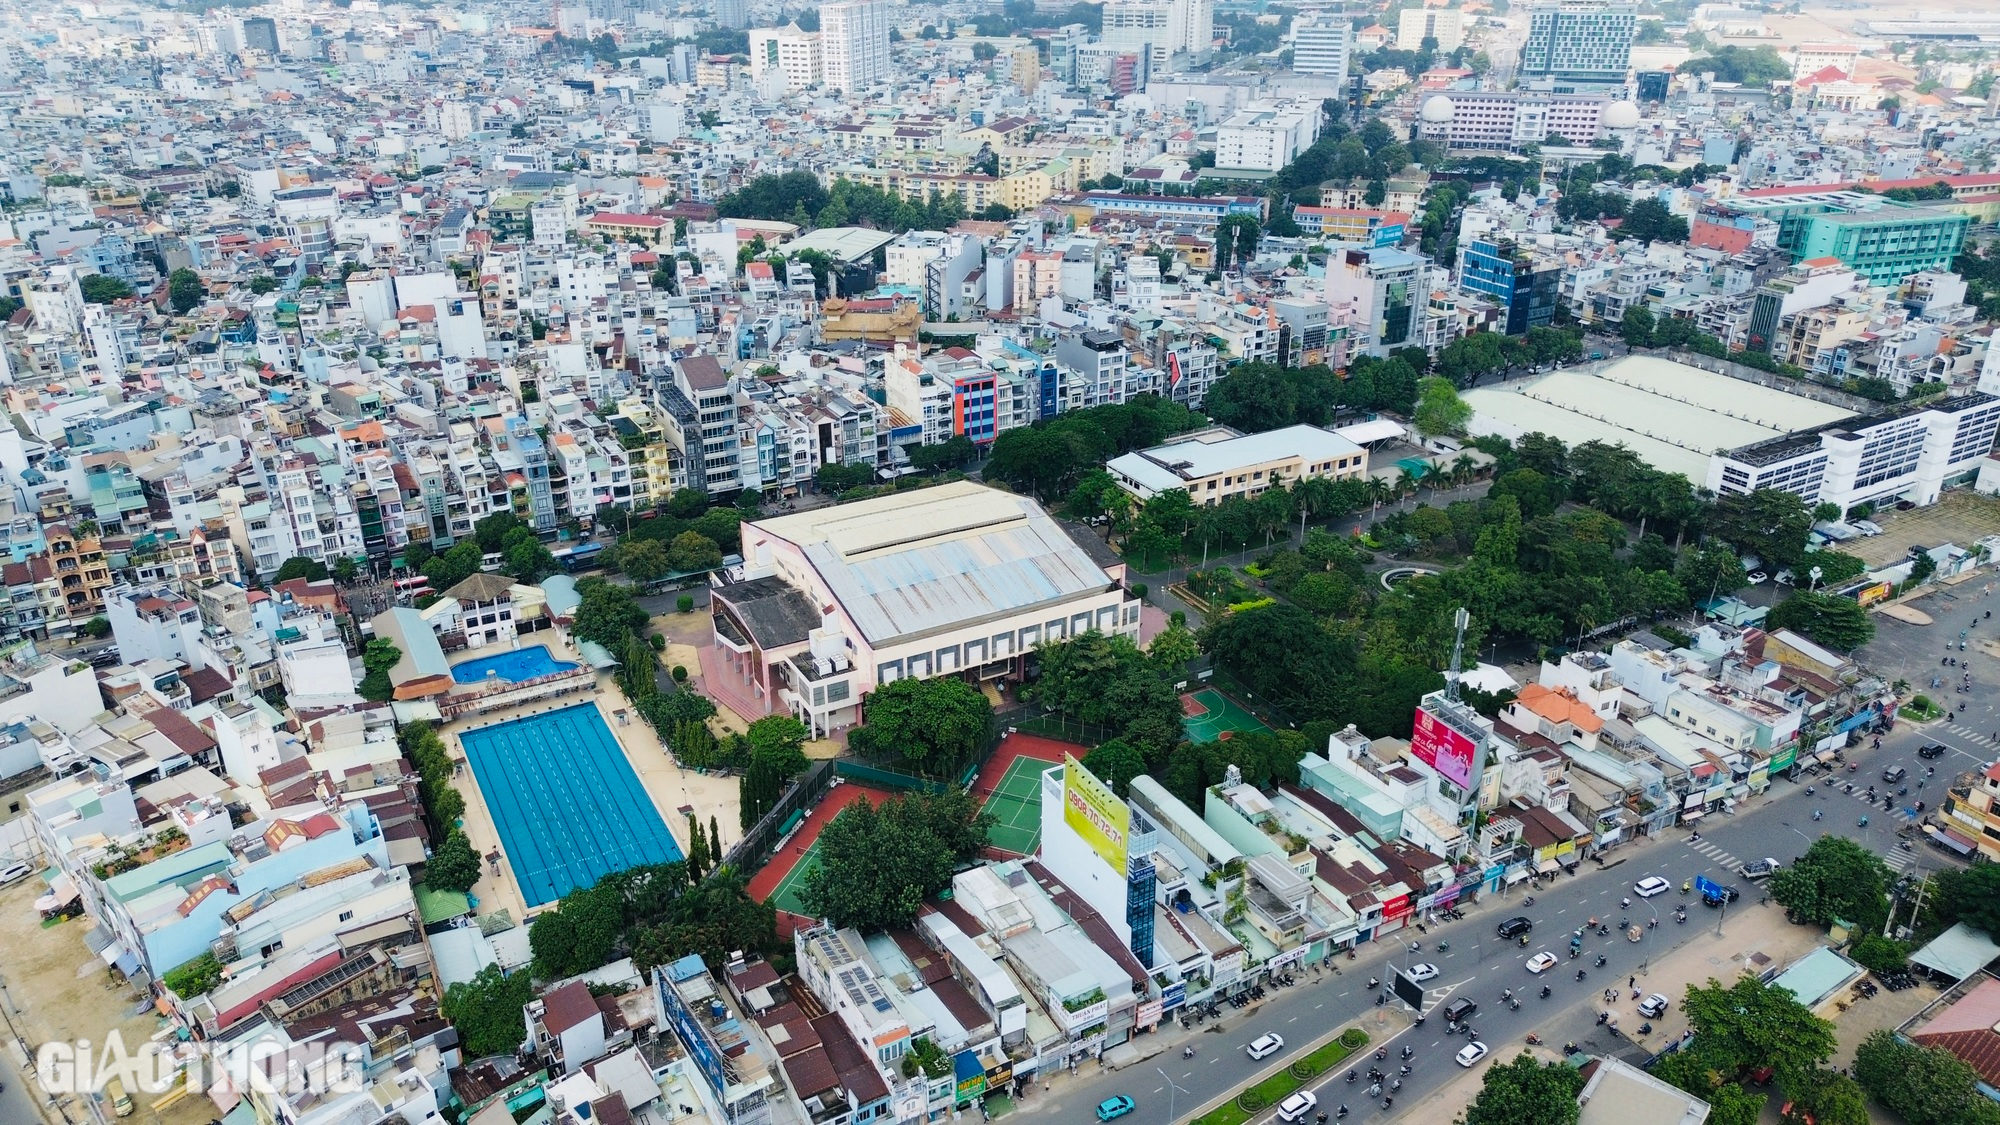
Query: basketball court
[[1210, 716]]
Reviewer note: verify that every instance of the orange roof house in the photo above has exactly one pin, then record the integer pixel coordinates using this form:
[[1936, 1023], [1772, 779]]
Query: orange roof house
[[1554, 713]]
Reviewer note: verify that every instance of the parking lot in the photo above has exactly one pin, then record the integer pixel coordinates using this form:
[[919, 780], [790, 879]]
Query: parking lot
[[1961, 516]]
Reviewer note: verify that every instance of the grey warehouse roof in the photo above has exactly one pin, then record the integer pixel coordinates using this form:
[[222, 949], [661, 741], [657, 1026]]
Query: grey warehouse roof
[[917, 562]]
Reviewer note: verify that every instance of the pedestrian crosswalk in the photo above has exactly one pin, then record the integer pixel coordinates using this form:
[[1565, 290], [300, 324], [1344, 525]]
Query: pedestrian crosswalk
[[1898, 860], [1722, 858], [1969, 735]]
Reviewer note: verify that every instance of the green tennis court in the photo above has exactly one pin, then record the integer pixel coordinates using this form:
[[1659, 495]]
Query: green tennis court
[[1016, 807], [793, 885], [1210, 716]]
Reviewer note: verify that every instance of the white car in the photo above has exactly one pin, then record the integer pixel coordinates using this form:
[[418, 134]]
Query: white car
[[1758, 577], [1264, 1046], [1655, 1006], [1421, 971], [1296, 1107], [1541, 962], [1651, 885], [15, 872], [1759, 868], [1471, 1053]]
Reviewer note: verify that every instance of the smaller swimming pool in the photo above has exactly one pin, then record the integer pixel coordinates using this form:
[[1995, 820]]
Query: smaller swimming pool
[[520, 664]]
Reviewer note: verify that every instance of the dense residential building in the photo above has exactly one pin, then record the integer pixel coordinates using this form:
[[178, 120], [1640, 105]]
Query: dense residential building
[[400, 294]]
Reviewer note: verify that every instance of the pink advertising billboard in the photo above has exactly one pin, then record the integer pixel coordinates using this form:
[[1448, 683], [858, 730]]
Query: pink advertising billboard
[[1443, 749]]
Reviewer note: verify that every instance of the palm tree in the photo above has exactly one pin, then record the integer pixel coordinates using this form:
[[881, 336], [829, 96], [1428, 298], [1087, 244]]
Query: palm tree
[[1463, 467], [1407, 482], [1380, 492]]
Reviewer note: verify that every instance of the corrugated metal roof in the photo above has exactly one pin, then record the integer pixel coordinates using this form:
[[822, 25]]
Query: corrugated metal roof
[[1015, 558]]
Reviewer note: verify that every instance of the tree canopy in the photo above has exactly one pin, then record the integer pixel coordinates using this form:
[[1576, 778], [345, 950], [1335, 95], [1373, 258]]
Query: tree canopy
[[300, 566], [877, 865], [774, 197], [453, 865], [1257, 396], [184, 290], [1649, 221], [606, 614], [657, 913], [1051, 456], [937, 726], [1748, 1024], [1970, 895], [1924, 1085], [1107, 682], [1440, 412], [1836, 878], [1526, 1091], [777, 755], [1769, 523], [1758, 67], [486, 1011], [102, 289], [1838, 623]]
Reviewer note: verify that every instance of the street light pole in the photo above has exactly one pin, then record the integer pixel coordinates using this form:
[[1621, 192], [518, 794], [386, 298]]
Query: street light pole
[[1171, 1091]]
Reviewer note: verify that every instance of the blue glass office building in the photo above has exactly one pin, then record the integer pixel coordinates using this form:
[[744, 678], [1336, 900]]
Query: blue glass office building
[[1522, 287]]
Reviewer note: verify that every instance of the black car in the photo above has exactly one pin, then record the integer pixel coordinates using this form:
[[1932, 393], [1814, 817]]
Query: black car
[[1932, 751], [1459, 1009], [1515, 927], [1894, 774], [1720, 895]]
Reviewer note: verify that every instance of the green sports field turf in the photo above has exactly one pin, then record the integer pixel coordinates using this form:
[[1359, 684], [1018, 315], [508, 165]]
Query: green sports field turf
[[1016, 807], [786, 897], [1209, 716]]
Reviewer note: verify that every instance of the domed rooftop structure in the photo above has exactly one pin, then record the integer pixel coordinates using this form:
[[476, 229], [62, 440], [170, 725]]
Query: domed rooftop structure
[[1621, 115], [1438, 108]]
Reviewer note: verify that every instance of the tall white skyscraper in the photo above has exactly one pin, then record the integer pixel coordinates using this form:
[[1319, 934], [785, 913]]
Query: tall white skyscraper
[[854, 43], [1172, 29], [1579, 41], [1446, 25], [1320, 46]]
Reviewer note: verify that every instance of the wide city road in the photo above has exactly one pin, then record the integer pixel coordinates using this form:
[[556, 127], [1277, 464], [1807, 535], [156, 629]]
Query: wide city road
[[1480, 965]]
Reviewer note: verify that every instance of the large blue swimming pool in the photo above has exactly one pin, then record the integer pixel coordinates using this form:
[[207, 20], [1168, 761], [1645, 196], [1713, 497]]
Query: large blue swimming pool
[[514, 666], [568, 805]]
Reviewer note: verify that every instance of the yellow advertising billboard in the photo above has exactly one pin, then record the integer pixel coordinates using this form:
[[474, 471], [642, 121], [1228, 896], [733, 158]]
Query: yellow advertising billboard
[[1095, 813]]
